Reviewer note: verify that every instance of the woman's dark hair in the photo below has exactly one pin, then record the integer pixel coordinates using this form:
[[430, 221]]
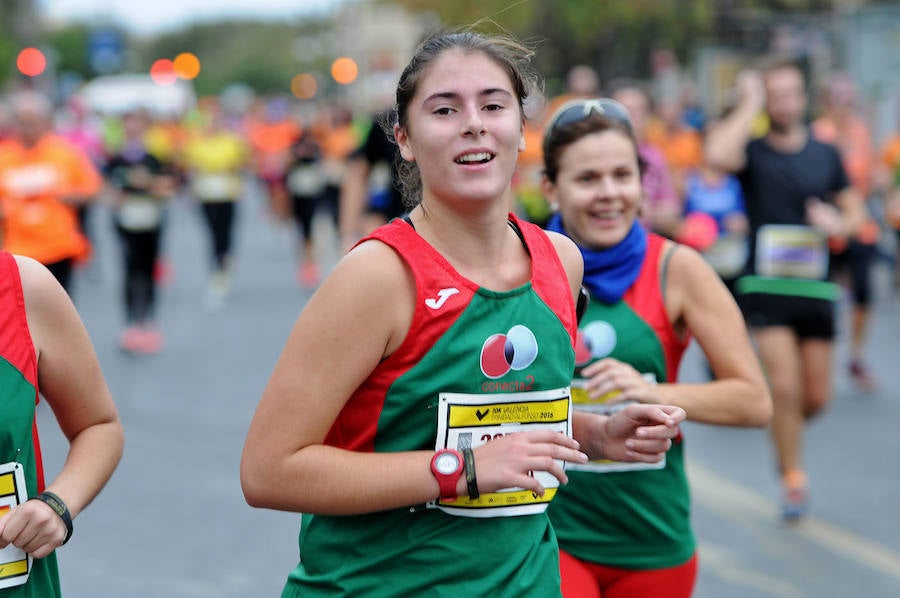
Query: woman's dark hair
[[557, 138], [513, 57]]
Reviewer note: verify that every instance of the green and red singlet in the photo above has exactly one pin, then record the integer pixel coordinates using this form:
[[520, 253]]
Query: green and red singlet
[[500, 347], [18, 432], [636, 519]]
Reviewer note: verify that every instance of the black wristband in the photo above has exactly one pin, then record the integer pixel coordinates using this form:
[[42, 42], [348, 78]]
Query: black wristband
[[59, 507], [471, 480]]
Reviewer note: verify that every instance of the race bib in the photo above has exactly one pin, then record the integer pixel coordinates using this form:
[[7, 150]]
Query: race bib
[[215, 186], [788, 251], [728, 255], [139, 214], [605, 405], [470, 421], [306, 181], [15, 564]]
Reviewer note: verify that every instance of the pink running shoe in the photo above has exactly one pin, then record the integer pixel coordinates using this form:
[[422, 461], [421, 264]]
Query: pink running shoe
[[151, 341], [309, 275], [130, 339]]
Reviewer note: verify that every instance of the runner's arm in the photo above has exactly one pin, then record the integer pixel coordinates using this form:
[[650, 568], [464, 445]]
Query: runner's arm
[[70, 380], [639, 434], [726, 141], [697, 301]]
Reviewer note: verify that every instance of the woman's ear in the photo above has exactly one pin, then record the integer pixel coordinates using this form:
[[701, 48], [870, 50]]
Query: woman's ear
[[548, 188], [403, 143], [522, 137]]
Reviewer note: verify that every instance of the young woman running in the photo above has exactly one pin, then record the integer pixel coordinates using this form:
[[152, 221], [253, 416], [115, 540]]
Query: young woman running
[[440, 346], [624, 529]]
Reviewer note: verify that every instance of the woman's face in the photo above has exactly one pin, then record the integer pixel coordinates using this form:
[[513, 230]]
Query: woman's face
[[598, 188], [464, 128]]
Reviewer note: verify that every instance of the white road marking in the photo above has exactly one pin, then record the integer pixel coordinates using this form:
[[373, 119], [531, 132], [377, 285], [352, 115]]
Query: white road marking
[[731, 501]]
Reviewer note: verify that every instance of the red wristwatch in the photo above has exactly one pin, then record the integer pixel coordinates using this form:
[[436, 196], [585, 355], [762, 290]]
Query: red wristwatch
[[447, 465]]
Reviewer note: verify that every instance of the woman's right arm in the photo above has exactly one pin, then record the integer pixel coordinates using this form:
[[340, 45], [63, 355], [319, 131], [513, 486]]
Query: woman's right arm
[[726, 141], [360, 314]]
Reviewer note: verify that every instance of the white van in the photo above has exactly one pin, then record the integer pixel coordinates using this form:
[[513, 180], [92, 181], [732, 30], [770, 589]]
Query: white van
[[116, 94]]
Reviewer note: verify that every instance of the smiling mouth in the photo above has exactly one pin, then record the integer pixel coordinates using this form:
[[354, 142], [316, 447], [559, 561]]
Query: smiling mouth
[[605, 215], [475, 158]]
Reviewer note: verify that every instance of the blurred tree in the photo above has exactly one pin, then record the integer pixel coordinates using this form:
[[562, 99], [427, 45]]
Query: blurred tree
[[18, 28], [259, 54], [615, 36], [70, 45]]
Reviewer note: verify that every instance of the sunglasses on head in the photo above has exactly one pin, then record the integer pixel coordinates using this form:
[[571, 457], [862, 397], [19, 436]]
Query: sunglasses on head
[[578, 110]]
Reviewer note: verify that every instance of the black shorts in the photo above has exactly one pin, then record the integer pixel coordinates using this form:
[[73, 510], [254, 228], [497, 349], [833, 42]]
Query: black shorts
[[808, 317], [856, 261]]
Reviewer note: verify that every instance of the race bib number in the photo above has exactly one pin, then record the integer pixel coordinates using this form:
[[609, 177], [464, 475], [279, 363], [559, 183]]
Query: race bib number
[[787, 251], [606, 405], [470, 421], [215, 187], [139, 214], [15, 564], [728, 255]]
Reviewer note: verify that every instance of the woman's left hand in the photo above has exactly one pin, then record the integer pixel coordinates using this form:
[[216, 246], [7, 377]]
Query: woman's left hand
[[34, 527], [613, 376]]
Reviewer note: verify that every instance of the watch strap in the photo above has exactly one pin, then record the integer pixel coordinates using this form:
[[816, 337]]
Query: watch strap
[[471, 480], [59, 507]]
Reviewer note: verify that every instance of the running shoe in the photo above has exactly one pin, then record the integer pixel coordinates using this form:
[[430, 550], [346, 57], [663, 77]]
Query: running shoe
[[862, 377], [130, 339], [309, 274], [151, 341], [217, 289], [795, 500]]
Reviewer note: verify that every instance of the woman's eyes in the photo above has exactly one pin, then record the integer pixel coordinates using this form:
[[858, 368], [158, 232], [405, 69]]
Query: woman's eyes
[[446, 110], [620, 175]]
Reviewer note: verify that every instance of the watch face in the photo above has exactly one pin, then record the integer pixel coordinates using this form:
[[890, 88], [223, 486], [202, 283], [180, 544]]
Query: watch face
[[446, 463]]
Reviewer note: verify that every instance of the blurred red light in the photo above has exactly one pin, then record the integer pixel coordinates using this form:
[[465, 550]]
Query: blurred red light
[[163, 72], [31, 62]]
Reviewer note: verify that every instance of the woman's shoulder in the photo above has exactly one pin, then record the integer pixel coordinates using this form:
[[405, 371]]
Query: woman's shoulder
[[40, 288]]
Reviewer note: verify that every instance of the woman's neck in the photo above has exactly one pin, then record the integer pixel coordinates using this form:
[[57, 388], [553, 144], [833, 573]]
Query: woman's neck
[[475, 240]]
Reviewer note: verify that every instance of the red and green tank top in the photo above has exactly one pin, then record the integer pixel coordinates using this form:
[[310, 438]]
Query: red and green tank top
[[18, 432], [463, 339], [630, 519]]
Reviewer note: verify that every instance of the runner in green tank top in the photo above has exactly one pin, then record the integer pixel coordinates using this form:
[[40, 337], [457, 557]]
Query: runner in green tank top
[[439, 347], [39, 325], [624, 529]]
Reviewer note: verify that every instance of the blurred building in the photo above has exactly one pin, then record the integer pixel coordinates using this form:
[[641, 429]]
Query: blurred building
[[381, 38]]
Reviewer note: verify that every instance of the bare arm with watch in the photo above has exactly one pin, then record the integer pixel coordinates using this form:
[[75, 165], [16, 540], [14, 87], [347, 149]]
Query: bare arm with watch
[[71, 382]]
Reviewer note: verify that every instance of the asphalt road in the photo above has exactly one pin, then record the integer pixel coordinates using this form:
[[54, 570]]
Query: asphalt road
[[173, 523]]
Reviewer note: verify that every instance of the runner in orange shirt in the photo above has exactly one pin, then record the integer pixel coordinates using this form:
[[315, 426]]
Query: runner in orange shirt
[[841, 126], [43, 178], [681, 144], [271, 139], [888, 175]]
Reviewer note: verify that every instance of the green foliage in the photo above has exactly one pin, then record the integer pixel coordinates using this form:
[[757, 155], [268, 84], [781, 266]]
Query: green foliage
[[70, 46], [8, 50], [615, 36], [259, 54]]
